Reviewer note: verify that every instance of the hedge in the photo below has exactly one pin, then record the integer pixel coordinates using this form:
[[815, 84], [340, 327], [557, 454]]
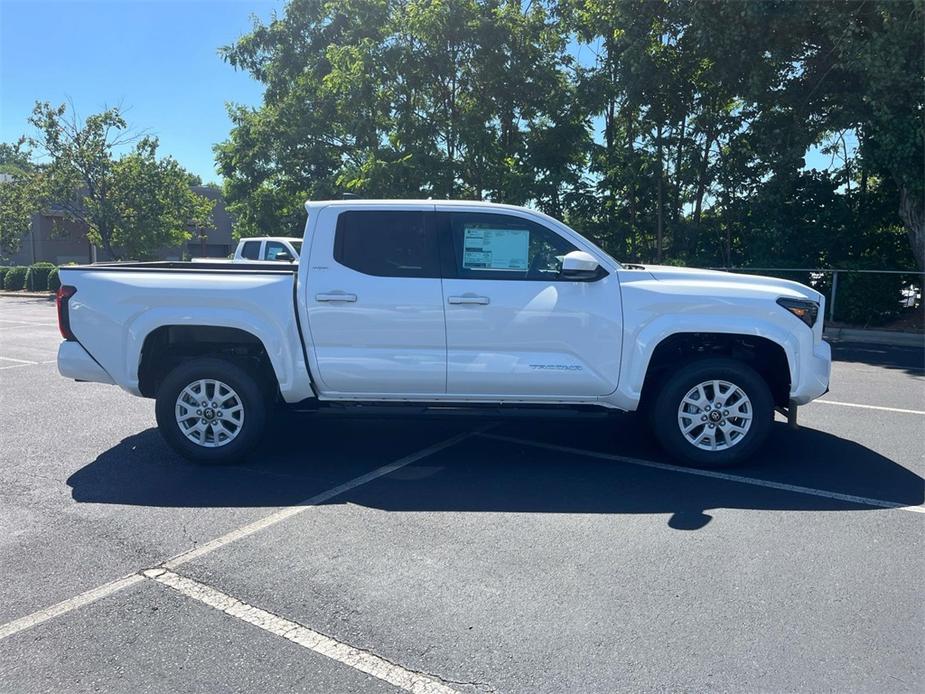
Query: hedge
[[37, 276], [15, 278], [54, 280], [3, 270], [868, 299]]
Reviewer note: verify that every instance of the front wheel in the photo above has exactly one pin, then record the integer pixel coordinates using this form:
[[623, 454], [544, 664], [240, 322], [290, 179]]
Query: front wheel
[[210, 410], [713, 412]]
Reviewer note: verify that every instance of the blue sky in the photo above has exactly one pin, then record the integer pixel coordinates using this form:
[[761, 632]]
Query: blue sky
[[159, 60]]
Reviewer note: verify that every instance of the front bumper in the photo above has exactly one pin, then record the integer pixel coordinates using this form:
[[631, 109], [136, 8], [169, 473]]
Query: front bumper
[[75, 362], [815, 372]]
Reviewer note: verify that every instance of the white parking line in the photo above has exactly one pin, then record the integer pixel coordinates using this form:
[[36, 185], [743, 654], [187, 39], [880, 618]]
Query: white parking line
[[31, 363], [361, 660], [753, 481], [102, 591], [21, 361], [66, 606], [291, 511], [867, 407]]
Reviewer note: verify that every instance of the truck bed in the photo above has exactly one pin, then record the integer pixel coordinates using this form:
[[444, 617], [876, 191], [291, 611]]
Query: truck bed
[[118, 306], [187, 266]]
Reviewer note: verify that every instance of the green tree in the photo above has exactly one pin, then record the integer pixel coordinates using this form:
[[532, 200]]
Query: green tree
[[664, 129], [852, 66], [21, 194], [102, 175], [153, 202], [443, 98]]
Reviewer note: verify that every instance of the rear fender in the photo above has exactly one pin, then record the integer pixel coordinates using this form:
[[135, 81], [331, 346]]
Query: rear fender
[[281, 343]]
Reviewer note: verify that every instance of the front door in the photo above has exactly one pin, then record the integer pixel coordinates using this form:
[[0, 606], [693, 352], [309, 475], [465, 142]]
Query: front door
[[514, 328], [375, 309]]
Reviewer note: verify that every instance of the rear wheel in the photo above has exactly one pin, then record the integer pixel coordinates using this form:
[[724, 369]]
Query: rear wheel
[[713, 412], [210, 410]]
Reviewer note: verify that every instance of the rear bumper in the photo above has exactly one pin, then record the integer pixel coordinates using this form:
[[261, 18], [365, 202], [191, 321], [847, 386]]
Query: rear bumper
[[815, 371], [74, 362]]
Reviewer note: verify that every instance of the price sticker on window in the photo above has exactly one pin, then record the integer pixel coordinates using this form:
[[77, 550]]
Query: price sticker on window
[[495, 249]]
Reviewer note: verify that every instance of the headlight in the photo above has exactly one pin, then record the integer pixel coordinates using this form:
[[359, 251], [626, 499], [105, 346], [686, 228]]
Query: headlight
[[804, 309]]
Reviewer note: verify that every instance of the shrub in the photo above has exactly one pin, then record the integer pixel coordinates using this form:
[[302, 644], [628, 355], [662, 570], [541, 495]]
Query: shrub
[[15, 278], [54, 280], [868, 299], [37, 276], [3, 270]]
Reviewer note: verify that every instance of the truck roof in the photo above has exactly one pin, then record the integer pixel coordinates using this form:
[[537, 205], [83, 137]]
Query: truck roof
[[349, 202]]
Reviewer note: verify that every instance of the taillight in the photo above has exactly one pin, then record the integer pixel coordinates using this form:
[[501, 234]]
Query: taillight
[[65, 292]]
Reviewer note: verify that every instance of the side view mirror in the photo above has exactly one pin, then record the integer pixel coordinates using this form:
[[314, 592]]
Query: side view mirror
[[580, 266], [284, 256]]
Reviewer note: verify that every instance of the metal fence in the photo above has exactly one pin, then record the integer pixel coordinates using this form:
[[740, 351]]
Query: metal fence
[[825, 280]]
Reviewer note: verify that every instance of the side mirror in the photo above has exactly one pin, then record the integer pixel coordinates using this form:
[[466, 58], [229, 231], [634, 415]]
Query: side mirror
[[580, 267], [284, 256]]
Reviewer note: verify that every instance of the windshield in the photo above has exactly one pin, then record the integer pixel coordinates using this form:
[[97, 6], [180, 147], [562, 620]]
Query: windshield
[[297, 245]]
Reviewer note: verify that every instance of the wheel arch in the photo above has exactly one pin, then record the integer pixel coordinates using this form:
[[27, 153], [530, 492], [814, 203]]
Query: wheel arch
[[765, 355], [164, 347]]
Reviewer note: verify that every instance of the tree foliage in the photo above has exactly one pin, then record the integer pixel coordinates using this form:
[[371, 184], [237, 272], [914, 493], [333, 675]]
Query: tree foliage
[[102, 175], [673, 129], [21, 191]]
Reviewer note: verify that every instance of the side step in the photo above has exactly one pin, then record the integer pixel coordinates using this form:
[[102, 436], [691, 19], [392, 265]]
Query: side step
[[340, 409]]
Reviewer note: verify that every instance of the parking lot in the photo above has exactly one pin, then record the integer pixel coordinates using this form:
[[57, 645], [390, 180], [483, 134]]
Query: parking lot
[[472, 554]]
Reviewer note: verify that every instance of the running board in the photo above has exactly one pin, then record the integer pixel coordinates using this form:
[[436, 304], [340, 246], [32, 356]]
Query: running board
[[435, 410]]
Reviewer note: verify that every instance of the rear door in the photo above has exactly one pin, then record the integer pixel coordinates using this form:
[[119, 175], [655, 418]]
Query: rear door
[[375, 302], [250, 251], [515, 328]]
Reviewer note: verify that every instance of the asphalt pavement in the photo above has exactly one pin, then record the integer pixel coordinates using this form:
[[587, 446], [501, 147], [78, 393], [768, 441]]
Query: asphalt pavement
[[472, 554]]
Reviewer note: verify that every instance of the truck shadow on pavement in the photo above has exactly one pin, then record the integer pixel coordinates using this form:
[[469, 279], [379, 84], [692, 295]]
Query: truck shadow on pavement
[[487, 474]]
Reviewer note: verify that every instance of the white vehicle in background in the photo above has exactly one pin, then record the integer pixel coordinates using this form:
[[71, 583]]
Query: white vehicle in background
[[436, 303], [262, 249]]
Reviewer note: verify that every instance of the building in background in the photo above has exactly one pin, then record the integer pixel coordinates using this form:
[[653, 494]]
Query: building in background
[[55, 239]]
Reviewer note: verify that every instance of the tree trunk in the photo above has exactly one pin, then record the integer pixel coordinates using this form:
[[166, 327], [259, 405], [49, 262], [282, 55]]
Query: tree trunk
[[105, 235], [660, 215], [631, 186], [912, 212], [676, 211], [702, 178]]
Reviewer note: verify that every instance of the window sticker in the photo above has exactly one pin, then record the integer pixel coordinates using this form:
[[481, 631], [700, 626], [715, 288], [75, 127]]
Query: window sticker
[[495, 249]]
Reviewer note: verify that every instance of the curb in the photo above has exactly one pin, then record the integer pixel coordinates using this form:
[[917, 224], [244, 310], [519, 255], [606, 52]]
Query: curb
[[876, 337], [29, 295]]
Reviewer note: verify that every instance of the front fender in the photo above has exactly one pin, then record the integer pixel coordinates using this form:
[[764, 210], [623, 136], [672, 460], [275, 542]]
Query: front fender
[[641, 344]]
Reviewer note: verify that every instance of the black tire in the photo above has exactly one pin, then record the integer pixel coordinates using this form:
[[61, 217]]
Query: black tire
[[664, 413], [248, 392]]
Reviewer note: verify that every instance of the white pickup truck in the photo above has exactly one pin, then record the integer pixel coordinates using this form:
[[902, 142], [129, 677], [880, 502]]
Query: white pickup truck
[[261, 249], [444, 303]]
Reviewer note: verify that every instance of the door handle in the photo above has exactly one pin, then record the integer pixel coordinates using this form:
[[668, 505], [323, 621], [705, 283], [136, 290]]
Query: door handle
[[467, 299], [336, 296]]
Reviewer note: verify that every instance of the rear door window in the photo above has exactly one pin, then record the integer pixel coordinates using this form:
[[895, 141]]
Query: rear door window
[[251, 250], [388, 243]]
